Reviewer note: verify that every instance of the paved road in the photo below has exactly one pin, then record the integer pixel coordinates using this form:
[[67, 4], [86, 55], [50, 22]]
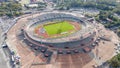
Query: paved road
[[3, 58], [3, 61]]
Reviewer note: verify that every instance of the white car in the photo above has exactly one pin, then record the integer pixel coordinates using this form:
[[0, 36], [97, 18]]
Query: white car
[[117, 51], [4, 46]]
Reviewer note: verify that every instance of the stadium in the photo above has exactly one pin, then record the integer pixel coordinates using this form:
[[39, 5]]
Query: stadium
[[60, 31], [54, 40]]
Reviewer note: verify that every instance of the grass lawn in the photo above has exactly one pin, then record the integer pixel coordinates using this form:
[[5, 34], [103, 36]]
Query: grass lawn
[[57, 28]]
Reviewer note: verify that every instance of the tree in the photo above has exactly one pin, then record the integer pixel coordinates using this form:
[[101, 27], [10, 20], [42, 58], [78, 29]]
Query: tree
[[118, 32], [115, 61], [10, 9]]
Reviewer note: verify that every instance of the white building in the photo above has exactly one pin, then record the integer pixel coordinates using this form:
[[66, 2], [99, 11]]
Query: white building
[[24, 2]]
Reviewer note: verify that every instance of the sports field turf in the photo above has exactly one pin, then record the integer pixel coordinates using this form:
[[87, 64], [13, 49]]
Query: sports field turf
[[59, 27]]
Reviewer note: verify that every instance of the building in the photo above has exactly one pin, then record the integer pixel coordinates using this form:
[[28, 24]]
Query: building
[[117, 0], [5, 0], [24, 2]]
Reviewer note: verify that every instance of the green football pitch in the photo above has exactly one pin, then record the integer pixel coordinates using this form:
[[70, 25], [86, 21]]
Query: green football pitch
[[58, 28]]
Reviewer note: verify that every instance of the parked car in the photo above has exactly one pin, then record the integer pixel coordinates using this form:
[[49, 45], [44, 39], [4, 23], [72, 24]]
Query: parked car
[[4, 46]]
